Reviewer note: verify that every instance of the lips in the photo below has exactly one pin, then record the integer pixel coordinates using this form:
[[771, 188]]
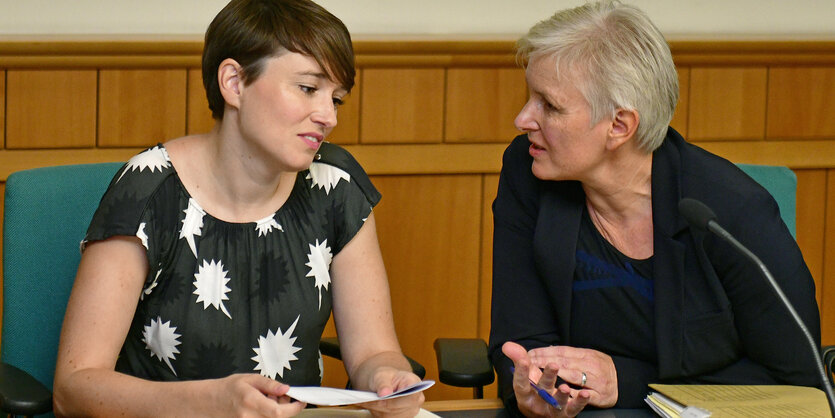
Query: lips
[[313, 140], [535, 149]]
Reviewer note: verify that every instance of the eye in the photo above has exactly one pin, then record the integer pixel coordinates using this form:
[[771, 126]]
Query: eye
[[307, 89], [550, 107], [337, 102]]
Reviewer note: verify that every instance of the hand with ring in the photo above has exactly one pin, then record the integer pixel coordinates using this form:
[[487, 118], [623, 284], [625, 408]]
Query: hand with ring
[[588, 369], [529, 381]]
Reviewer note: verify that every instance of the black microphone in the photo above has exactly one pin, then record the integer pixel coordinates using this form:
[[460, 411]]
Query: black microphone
[[703, 218]]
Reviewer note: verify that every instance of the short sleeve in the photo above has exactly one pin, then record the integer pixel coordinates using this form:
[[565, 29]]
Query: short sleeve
[[127, 207], [353, 195]]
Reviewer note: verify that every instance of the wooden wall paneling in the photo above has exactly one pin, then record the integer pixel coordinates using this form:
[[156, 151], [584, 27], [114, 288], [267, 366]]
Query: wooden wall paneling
[[2, 109], [402, 105], [727, 103], [429, 228], [2, 212], [481, 103], [811, 214], [490, 185], [334, 374], [827, 303], [50, 108], [139, 108], [347, 129], [679, 121], [198, 116], [801, 102]]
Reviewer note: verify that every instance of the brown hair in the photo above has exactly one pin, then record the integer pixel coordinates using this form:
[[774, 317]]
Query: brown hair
[[249, 31]]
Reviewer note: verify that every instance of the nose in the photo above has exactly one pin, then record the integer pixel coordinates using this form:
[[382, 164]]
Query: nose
[[325, 113], [525, 120]]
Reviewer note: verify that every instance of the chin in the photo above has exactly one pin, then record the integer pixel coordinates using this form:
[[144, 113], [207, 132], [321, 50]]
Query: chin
[[543, 173]]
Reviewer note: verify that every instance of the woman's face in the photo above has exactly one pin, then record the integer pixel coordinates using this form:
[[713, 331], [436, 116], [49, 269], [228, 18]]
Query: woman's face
[[289, 109], [564, 143]]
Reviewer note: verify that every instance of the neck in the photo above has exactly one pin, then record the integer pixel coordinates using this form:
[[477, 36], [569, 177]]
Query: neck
[[622, 187], [242, 185]]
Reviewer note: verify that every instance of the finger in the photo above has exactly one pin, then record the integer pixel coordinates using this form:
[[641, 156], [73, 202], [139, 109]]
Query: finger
[[292, 408], [575, 405], [514, 351], [575, 376], [267, 386], [549, 377], [563, 395], [519, 356]]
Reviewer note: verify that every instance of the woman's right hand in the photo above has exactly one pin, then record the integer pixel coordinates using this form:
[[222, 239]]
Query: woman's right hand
[[252, 395], [528, 400]]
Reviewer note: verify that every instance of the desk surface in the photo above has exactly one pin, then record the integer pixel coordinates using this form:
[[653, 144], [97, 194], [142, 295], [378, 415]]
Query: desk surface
[[493, 408]]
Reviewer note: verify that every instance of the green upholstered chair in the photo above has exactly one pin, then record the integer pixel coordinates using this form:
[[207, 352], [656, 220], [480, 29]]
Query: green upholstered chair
[[462, 362], [781, 182], [47, 211]]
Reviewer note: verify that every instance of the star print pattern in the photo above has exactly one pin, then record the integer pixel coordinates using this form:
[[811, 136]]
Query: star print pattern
[[275, 351], [161, 338], [221, 297], [326, 176], [266, 225], [153, 159], [210, 285], [192, 223], [319, 260]]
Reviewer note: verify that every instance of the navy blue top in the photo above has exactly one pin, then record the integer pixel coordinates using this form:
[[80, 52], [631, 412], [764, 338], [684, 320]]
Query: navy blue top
[[612, 301]]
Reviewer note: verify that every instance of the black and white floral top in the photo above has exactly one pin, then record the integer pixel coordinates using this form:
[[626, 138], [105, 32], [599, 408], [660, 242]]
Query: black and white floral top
[[221, 297]]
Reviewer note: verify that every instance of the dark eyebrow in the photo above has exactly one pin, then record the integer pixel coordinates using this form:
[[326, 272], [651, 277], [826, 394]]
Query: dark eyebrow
[[321, 76], [314, 74]]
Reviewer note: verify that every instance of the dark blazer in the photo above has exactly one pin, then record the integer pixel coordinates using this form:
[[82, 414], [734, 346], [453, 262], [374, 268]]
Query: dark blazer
[[716, 318]]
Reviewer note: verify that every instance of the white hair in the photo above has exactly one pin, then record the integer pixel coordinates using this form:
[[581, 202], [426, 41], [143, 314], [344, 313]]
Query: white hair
[[619, 59]]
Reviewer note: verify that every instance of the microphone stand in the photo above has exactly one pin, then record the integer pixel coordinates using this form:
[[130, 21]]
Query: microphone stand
[[722, 233]]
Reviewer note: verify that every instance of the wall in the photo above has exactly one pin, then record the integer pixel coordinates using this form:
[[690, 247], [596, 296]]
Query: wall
[[779, 18], [429, 121]]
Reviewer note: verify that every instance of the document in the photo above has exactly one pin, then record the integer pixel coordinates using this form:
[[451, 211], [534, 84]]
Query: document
[[326, 396], [344, 412], [737, 401]]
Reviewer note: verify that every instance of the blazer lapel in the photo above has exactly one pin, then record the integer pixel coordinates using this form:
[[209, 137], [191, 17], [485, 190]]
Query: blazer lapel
[[555, 243], [668, 265]]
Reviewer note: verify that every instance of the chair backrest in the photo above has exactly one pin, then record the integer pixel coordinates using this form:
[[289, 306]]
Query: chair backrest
[[47, 211], [781, 182]]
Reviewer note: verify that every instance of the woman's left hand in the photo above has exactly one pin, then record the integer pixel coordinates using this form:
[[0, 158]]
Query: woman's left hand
[[387, 380], [582, 367]]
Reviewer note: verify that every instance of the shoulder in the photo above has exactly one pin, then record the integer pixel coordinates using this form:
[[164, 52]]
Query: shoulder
[[144, 172], [133, 190], [333, 163], [717, 182]]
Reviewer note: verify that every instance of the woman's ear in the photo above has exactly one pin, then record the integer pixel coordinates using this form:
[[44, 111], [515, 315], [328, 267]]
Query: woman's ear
[[230, 81], [623, 128]]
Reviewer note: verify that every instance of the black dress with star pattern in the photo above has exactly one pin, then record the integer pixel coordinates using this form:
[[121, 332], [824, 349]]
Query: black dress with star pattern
[[223, 298]]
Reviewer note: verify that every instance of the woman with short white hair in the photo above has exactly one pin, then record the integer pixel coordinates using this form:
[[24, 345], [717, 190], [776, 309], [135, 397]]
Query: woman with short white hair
[[600, 287]]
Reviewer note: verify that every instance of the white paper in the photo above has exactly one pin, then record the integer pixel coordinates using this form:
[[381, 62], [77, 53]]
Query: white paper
[[325, 396], [351, 413]]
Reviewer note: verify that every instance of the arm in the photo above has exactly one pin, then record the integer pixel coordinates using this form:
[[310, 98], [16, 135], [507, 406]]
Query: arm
[[365, 325], [99, 313], [520, 308], [760, 318]]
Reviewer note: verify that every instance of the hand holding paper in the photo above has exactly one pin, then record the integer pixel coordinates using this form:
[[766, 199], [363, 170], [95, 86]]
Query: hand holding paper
[[325, 396]]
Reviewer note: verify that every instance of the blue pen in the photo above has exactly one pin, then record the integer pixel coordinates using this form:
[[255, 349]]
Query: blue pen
[[545, 395], [542, 393]]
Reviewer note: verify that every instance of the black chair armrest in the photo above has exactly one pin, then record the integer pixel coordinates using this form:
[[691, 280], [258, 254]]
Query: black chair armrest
[[22, 394], [828, 354], [463, 362], [330, 347]]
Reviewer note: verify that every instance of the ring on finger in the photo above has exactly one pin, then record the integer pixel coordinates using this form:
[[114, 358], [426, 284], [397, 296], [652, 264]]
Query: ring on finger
[[583, 379]]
